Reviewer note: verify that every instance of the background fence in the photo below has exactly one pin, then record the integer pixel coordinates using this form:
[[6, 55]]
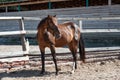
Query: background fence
[[106, 32], [112, 32], [19, 55]]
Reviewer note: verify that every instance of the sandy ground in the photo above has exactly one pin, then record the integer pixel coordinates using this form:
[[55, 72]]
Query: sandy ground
[[98, 66]]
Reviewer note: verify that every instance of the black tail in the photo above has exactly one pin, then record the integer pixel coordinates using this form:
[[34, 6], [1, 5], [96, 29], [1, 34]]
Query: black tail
[[81, 49]]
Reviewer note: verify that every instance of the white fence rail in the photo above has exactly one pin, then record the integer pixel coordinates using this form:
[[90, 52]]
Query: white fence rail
[[7, 33], [21, 32], [70, 18]]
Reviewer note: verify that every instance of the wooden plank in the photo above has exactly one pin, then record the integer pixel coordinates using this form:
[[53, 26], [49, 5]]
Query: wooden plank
[[23, 41], [99, 30], [31, 31], [12, 54], [97, 18], [29, 3], [10, 18], [85, 31], [24, 58], [109, 2], [102, 48], [32, 18], [70, 18], [6, 33]]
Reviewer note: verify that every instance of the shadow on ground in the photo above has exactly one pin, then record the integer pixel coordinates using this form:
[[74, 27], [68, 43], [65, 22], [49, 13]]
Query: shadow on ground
[[90, 57], [28, 74]]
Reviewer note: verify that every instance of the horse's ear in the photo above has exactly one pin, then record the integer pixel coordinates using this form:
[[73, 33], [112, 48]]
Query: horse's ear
[[54, 16], [48, 15]]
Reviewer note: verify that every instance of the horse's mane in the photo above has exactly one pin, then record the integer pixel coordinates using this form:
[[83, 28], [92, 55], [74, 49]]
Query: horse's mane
[[41, 22]]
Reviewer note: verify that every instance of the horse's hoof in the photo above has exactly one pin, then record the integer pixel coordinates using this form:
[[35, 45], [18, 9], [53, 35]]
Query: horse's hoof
[[42, 73], [73, 71], [57, 73]]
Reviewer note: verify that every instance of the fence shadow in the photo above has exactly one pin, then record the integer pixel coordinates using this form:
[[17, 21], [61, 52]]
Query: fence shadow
[[94, 56], [98, 56], [24, 74], [28, 74], [91, 57]]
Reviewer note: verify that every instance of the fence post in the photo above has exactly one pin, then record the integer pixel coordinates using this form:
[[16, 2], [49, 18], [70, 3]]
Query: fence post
[[49, 4], [23, 41], [6, 9], [109, 2], [87, 3], [80, 25]]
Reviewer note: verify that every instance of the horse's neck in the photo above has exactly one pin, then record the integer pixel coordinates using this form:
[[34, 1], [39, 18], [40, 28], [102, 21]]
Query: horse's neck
[[42, 30]]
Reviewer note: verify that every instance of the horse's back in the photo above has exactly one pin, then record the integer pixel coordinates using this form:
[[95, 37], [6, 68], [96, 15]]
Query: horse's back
[[72, 26], [69, 31]]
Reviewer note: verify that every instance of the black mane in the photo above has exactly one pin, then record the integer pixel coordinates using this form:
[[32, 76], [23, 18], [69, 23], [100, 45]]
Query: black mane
[[41, 22]]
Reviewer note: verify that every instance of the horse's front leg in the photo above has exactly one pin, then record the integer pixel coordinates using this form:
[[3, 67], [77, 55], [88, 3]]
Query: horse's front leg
[[52, 48], [43, 60]]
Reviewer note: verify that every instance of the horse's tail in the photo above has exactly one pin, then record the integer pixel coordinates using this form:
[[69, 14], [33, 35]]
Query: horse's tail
[[81, 49]]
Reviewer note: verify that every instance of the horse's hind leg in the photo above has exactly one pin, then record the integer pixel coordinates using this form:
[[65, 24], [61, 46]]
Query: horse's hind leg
[[73, 49], [81, 49], [52, 48]]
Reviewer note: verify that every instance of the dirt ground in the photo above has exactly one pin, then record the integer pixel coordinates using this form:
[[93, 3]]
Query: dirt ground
[[98, 66]]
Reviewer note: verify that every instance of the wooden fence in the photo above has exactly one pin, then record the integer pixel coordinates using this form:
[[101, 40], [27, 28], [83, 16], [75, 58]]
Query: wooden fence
[[86, 30], [11, 56], [23, 32]]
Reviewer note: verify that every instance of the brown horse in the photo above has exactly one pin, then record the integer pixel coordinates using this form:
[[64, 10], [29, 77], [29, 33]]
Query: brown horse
[[51, 34]]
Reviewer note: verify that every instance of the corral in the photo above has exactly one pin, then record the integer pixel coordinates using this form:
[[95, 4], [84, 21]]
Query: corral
[[101, 63], [63, 54]]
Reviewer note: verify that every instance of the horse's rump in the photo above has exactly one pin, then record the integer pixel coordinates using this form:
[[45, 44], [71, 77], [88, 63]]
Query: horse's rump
[[71, 28]]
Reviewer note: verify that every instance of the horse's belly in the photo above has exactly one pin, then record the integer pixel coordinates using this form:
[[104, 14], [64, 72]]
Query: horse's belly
[[66, 38], [62, 42]]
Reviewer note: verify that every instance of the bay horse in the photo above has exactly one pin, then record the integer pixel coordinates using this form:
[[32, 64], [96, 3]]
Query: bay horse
[[51, 34]]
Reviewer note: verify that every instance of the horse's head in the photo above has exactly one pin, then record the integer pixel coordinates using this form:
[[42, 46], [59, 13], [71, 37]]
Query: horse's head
[[53, 25]]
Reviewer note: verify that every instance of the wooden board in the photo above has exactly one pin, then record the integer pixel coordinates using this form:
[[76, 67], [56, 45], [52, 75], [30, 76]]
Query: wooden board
[[12, 54], [10, 18], [12, 33], [102, 49], [29, 2], [24, 58]]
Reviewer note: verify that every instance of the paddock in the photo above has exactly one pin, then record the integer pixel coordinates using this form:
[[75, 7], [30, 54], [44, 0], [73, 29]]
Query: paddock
[[24, 32], [99, 65], [99, 56]]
